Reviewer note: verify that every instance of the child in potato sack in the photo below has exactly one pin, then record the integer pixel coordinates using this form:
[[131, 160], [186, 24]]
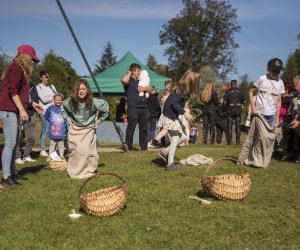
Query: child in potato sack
[[83, 113], [57, 126]]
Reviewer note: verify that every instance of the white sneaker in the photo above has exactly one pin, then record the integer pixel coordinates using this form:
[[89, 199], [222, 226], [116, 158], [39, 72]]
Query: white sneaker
[[28, 159], [19, 161], [44, 153]]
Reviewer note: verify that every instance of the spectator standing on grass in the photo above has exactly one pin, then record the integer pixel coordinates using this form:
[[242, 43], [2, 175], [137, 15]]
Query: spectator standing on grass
[[137, 112], [292, 129], [233, 102], [121, 110], [30, 132], [209, 99], [14, 100], [57, 126], [221, 122], [154, 110], [46, 91]]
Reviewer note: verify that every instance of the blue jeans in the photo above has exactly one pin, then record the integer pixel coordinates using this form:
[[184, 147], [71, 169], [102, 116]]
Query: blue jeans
[[151, 128], [10, 121], [45, 130], [270, 119]]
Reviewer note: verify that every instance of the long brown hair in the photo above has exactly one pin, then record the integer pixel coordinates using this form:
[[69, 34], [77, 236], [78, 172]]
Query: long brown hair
[[74, 99], [207, 92], [189, 83], [26, 64]]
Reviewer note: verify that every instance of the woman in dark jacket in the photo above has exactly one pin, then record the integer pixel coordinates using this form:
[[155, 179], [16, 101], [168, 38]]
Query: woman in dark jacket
[[209, 99]]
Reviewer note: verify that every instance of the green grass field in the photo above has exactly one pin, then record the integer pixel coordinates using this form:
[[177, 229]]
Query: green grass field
[[158, 214]]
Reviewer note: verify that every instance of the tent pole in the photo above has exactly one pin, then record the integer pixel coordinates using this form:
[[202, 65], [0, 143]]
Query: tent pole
[[117, 128]]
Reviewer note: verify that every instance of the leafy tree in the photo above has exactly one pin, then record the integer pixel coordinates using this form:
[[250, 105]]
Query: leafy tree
[[151, 62], [202, 34], [160, 69], [107, 59], [61, 73], [4, 61], [245, 85], [292, 67]]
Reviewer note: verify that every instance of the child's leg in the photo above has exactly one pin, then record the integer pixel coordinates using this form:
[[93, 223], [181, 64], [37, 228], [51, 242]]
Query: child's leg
[[176, 139], [161, 134], [52, 146], [61, 148]]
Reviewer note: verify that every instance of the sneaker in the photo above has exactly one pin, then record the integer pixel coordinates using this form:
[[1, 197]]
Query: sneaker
[[172, 167], [44, 153], [9, 182], [163, 156], [19, 161], [28, 159], [155, 144], [287, 157]]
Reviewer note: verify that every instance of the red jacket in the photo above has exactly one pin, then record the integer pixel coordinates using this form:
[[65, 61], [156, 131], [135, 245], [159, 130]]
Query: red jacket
[[14, 83]]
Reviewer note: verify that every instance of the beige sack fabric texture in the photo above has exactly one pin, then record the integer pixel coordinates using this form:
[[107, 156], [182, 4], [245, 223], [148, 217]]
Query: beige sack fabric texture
[[258, 146], [83, 158]]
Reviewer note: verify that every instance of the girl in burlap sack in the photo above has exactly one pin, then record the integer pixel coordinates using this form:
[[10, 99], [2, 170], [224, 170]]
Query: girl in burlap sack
[[83, 113]]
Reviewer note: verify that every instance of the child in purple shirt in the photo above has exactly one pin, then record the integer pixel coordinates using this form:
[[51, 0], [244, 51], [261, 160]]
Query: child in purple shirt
[[57, 125]]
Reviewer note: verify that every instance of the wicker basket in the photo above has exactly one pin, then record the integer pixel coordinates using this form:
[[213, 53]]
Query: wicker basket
[[104, 202], [228, 187], [58, 165]]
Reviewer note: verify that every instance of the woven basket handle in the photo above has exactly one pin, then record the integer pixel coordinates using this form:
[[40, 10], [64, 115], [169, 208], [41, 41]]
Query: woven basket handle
[[95, 175], [220, 159]]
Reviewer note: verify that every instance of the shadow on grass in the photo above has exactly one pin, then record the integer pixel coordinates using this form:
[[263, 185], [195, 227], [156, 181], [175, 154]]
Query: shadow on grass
[[101, 165], [159, 162], [32, 170], [202, 194]]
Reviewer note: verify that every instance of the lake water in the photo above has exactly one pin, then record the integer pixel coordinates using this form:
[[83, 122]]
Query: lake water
[[106, 132]]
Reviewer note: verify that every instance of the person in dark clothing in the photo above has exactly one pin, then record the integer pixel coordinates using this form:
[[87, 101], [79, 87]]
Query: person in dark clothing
[[221, 122], [137, 111], [292, 128], [233, 101], [29, 128], [120, 110], [154, 110], [209, 99]]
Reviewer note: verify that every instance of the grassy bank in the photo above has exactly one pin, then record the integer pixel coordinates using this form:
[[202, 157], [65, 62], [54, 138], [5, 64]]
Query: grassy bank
[[158, 214]]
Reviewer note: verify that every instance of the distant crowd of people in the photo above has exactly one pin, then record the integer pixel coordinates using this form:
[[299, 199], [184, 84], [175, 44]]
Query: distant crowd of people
[[164, 119]]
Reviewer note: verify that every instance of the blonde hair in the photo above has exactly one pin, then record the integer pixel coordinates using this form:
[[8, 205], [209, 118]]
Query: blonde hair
[[296, 79], [207, 92], [189, 83], [26, 63]]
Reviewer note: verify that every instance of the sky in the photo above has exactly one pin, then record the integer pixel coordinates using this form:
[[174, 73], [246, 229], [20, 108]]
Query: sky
[[268, 29]]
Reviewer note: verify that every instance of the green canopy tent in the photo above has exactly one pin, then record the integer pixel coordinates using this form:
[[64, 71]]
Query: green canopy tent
[[110, 79]]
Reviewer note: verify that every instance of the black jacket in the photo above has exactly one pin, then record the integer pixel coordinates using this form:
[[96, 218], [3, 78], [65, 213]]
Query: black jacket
[[212, 106], [153, 106], [174, 106], [233, 101]]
